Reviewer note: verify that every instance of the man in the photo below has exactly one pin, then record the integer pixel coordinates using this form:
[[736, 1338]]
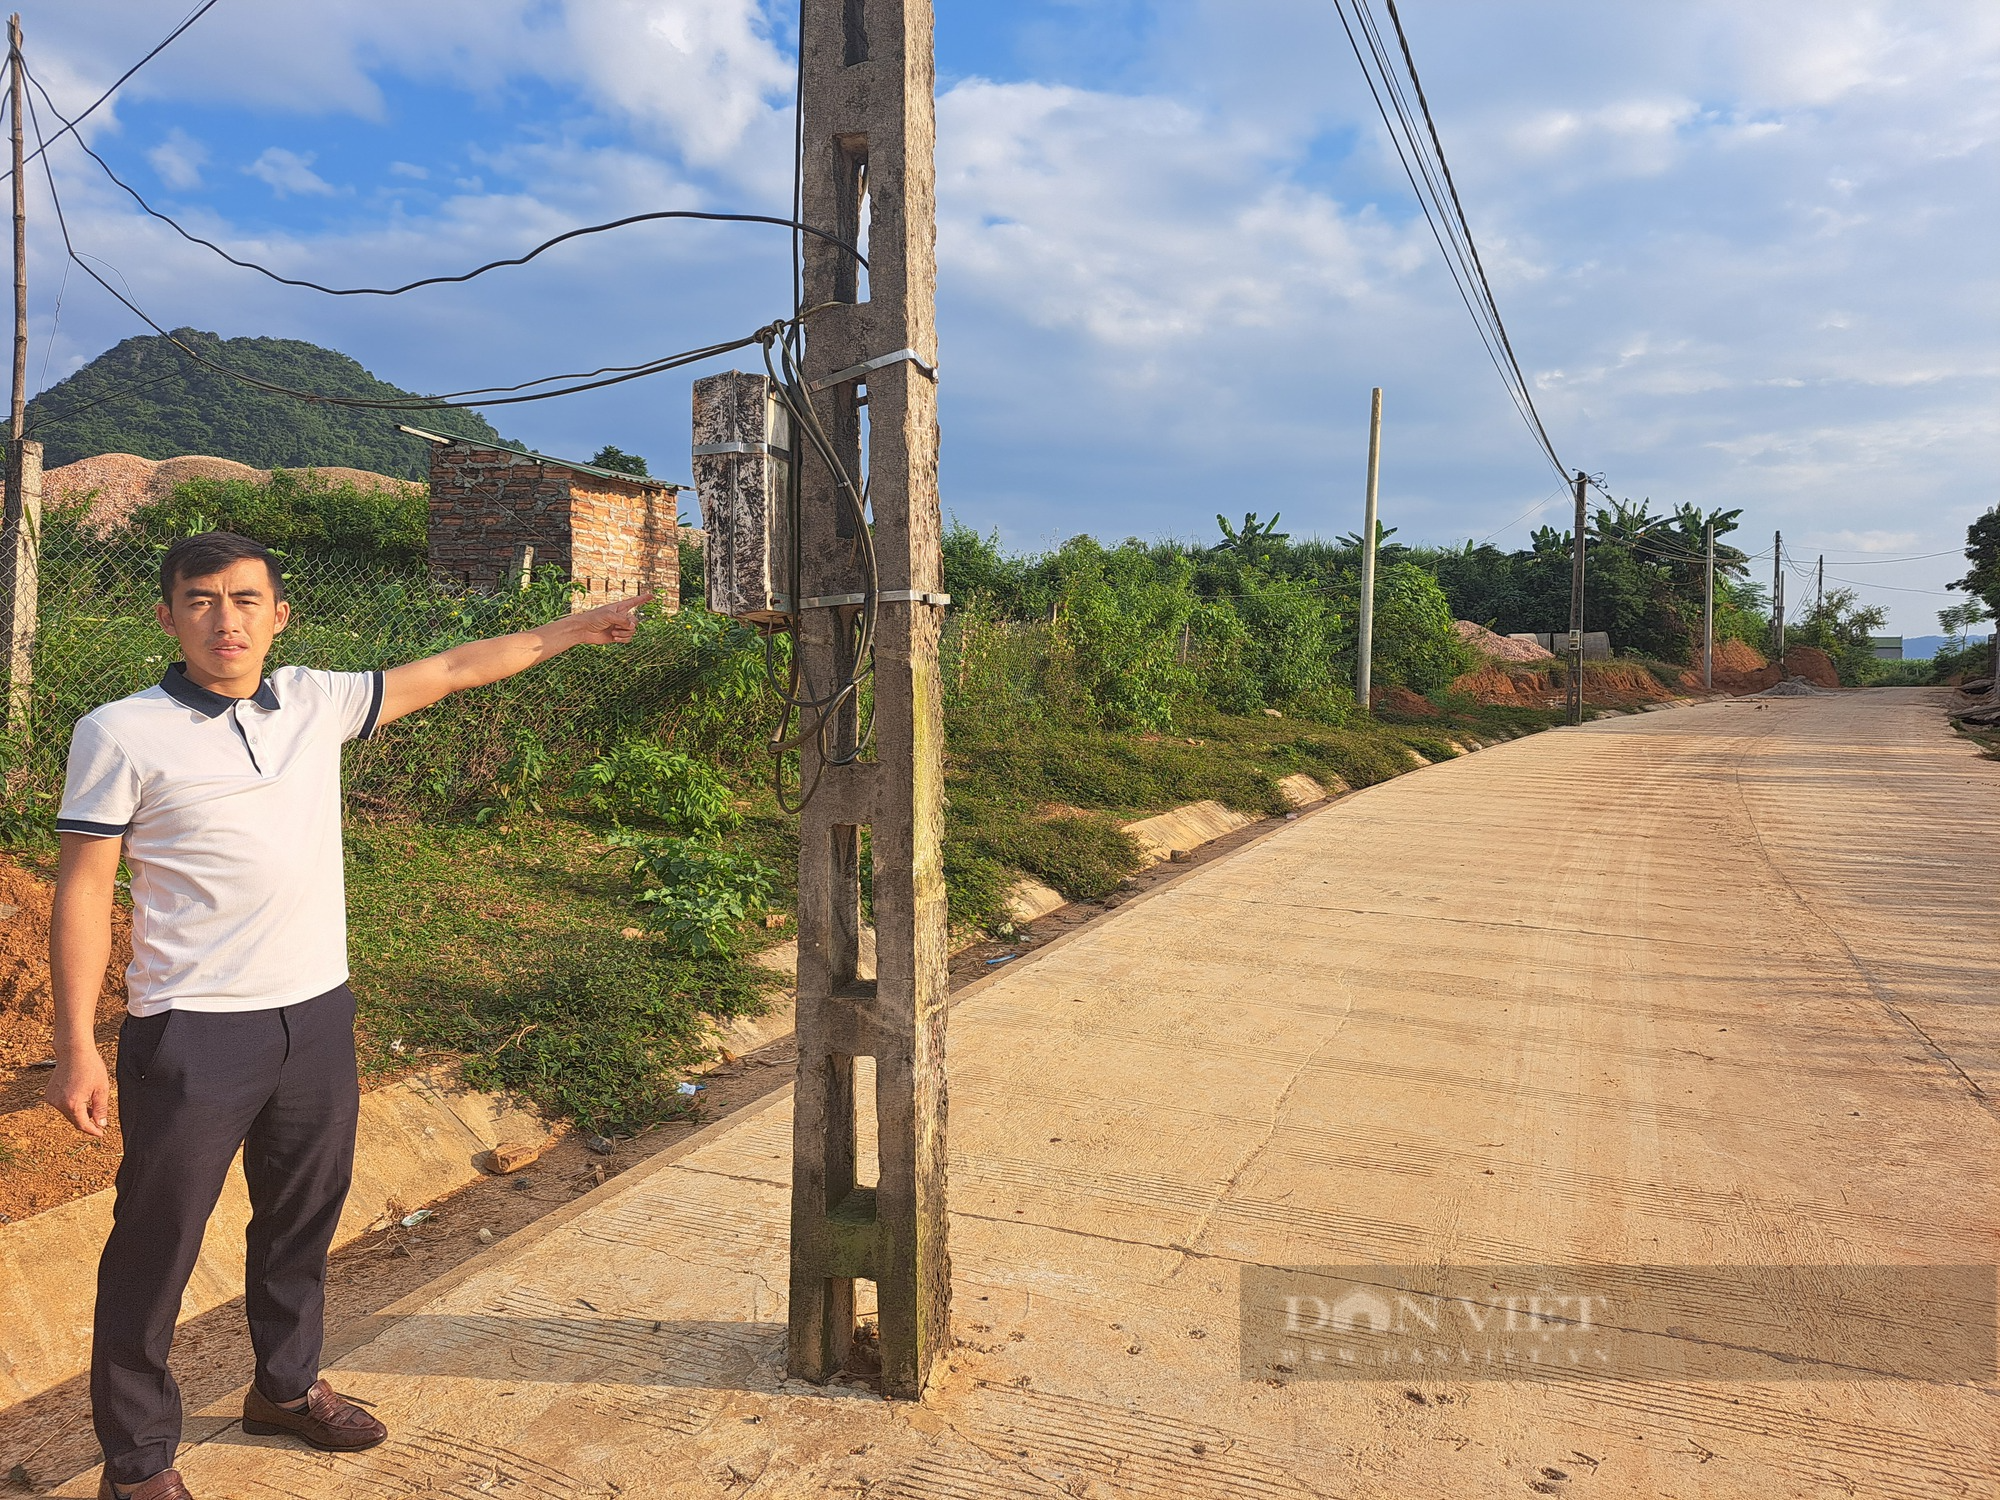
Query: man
[[220, 788]]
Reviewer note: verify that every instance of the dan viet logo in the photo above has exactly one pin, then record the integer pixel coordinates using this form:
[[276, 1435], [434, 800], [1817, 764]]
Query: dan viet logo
[[1389, 1330], [1729, 1322]]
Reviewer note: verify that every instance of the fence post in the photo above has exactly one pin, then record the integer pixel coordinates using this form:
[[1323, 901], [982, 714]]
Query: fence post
[[524, 564], [20, 575]]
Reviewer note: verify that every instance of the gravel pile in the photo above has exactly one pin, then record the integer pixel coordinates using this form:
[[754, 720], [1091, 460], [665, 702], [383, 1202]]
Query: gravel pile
[[1795, 687], [1499, 647]]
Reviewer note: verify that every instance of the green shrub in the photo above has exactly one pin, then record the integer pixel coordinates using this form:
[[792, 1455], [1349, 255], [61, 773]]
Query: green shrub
[[1415, 644], [298, 510], [694, 891], [1114, 647], [644, 777]]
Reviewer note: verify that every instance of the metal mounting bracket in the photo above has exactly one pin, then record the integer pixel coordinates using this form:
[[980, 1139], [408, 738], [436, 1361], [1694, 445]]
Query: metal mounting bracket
[[880, 362], [709, 450], [886, 596]]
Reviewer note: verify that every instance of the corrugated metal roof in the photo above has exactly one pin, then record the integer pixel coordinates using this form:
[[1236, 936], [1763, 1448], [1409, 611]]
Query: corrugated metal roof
[[543, 458]]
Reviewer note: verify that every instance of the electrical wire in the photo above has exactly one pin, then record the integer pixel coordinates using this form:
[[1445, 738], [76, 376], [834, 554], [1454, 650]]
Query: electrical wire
[[1410, 154], [705, 215], [1532, 511], [41, 420], [123, 79], [797, 694], [500, 395], [819, 713], [1872, 562], [1422, 158]]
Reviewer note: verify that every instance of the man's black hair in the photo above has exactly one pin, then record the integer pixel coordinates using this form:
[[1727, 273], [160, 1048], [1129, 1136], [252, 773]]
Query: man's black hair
[[209, 552]]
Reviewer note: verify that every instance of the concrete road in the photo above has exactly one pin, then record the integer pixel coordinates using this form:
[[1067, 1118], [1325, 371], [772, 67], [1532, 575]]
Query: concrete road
[[1694, 1010]]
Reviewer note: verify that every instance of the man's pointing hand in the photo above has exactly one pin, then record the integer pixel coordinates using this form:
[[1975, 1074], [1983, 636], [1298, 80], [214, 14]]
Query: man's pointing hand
[[610, 624]]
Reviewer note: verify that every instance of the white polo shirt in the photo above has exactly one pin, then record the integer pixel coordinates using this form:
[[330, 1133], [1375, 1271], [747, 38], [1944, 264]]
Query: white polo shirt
[[230, 812]]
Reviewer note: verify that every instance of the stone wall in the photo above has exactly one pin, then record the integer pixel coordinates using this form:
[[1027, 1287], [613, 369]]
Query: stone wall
[[486, 504]]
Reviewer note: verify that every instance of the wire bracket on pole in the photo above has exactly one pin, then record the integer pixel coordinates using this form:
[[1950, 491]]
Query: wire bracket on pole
[[707, 450], [885, 596], [880, 362]]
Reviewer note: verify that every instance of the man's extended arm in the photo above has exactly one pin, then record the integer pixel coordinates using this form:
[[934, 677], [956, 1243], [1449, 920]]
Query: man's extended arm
[[418, 685], [79, 950]]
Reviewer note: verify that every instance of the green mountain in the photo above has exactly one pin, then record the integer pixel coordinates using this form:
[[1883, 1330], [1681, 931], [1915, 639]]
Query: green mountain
[[148, 398]]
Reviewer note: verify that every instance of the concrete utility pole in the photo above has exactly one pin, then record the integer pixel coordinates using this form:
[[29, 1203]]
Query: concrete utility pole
[[1819, 599], [1364, 656], [1778, 598], [1576, 608], [868, 130], [1708, 610], [21, 535]]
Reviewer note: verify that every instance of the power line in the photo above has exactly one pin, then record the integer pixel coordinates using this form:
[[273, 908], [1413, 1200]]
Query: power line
[[490, 395], [397, 291], [1893, 588], [1472, 247], [123, 79], [1437, 197], [1871, 562]]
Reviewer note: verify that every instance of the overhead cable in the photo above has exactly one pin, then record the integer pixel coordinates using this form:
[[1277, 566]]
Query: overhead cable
[[1421, 155], [489, 395], [123, 79], [189, 235]]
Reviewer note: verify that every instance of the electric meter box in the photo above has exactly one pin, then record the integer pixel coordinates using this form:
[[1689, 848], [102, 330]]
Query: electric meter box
[[742, 476]]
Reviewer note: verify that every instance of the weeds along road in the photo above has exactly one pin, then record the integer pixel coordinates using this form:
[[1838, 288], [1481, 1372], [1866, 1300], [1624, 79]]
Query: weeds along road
[[1695, 1010]]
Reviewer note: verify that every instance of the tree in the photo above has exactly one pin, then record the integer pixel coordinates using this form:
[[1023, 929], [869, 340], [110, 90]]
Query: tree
[[1957, 619], [1253, 540], [1982, 550], [1841, 626], [146, 397], [620, 462]]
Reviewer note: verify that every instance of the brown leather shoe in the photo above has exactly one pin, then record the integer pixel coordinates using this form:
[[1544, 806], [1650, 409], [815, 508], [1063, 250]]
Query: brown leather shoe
[[328, 1420], [165, 1485]]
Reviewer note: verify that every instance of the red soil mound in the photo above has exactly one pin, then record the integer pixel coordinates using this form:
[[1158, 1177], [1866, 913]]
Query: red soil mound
[[1400, 700], [43, 1161], [1741, 668], [118, 483], [1517, 689]]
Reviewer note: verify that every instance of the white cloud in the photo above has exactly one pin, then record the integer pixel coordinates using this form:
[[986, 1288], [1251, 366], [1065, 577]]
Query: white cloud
[[1141, 222], [705, 77], [179, 159], [408, 169], [1873, 541], [288, 173]]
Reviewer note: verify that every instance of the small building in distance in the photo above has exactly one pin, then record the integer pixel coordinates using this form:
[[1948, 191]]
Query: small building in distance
[[614, 533], [1887, 647]]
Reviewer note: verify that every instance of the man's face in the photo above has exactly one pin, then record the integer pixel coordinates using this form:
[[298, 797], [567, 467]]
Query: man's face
[[226, 621]]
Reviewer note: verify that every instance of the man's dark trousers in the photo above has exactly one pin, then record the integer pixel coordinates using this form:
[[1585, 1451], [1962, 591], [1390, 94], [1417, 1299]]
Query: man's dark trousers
[[192, 1087]]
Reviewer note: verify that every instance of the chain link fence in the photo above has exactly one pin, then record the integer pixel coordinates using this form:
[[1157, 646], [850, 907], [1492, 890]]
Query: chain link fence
[[689, 677]]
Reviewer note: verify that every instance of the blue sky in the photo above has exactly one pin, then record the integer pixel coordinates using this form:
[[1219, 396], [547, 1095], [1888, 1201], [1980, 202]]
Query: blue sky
[[1744, 252]]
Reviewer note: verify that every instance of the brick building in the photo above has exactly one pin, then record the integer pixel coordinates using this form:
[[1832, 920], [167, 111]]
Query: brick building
[[614, 533]]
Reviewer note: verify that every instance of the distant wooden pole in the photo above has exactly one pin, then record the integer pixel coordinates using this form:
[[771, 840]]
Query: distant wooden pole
[[20, 532], [18, 425], [21, 580], [1576, 606], [1364, 656], [1778, 598], [1708, 611]]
